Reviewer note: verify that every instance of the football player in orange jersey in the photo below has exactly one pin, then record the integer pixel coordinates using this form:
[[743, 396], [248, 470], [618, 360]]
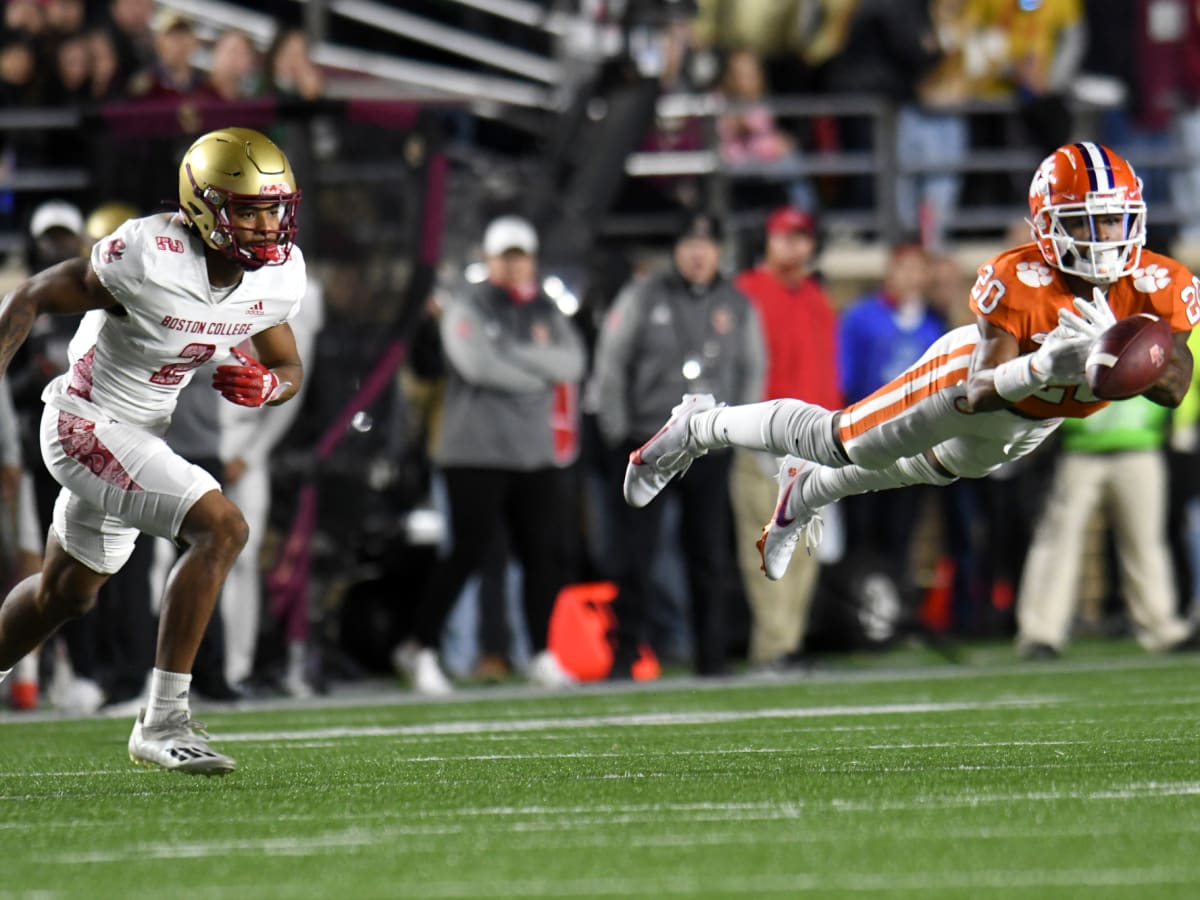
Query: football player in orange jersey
[[982, 394]]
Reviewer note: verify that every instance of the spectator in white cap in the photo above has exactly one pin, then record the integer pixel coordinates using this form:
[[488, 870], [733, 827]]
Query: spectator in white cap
[[507, 348], [56, 229], [55, 233], [509, 233]]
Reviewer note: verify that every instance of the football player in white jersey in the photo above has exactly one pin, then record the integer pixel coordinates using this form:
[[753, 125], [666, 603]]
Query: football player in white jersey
[[163, 294]]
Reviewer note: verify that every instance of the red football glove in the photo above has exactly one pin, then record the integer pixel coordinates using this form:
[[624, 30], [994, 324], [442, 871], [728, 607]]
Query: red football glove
[[250, 384]]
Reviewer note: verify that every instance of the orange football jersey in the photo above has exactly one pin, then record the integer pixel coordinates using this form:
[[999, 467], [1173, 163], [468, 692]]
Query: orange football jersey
[[1019, 293]]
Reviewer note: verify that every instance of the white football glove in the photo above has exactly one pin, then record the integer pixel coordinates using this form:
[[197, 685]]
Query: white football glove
[[1095, 316], [1062, 357]]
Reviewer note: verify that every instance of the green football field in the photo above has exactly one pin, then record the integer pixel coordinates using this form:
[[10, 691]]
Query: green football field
[[893, 777]]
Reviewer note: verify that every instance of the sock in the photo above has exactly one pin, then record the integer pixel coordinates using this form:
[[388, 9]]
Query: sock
[[26, 668], [168, 693], [826, 485], [777, 426], [296, 654]]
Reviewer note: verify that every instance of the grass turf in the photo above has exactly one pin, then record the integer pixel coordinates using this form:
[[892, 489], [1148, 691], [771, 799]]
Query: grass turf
[[891, 777]]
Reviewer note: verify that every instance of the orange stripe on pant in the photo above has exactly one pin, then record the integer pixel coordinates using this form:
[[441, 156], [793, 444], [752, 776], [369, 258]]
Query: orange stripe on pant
[[910, 396]]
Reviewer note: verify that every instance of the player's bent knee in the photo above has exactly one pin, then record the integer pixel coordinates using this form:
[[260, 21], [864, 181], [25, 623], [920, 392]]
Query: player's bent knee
[[216, 523], [237, 530], [230, 533], [64, 599], [868, 457], [66, 588], [924, 470], [969, 469]]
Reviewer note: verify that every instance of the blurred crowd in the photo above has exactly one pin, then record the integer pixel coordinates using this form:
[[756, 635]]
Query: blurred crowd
[[58, 52], [129, 54], [962, 76], [484, 533]]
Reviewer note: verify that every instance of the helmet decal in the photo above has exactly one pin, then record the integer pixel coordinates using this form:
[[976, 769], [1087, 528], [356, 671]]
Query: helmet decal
[[1097, 165]]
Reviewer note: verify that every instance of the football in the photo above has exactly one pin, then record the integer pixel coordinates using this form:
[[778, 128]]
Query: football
[[1129, 357]]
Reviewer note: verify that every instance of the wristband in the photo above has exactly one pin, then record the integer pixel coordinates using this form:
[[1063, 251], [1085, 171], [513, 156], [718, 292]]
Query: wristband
[[1017, 379], [280, 387]]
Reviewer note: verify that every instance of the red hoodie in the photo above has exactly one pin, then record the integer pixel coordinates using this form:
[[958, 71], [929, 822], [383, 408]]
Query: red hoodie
[[800, 332]]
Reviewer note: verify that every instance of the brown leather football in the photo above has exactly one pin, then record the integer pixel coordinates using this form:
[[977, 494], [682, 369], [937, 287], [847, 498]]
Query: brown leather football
[[1129, 357]]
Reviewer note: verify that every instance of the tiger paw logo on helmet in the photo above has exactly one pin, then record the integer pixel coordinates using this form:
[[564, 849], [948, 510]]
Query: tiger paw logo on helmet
[[1044, 179], [1151, 278], [1034, 274]]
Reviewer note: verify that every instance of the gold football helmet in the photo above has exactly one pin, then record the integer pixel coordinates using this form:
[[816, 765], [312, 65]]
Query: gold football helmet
[[107, 218], [232, 167]]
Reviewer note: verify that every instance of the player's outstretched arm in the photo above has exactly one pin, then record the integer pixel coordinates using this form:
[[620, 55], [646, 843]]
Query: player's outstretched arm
[[1001, 376], [69, 287], [996, 347], [1174, 382]]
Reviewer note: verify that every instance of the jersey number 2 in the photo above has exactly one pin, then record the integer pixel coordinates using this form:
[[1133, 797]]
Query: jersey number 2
[[195, 355]]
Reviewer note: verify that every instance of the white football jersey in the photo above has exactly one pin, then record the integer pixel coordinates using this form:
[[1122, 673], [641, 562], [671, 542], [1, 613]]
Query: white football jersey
[[130, 364]]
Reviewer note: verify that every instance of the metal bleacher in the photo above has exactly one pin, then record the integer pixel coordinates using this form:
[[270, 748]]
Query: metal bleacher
[[524, 89]]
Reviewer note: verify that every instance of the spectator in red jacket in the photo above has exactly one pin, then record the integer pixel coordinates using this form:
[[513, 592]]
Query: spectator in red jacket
[[800, 331]]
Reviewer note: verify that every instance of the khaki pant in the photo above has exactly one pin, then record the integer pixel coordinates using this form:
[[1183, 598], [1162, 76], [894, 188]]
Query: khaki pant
[[779, 609], [1133, 486]]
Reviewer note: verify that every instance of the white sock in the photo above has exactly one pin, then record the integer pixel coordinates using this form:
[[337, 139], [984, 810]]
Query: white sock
[[826, 485], [168, 693], [26, 668], [777, 426], [296, 654]]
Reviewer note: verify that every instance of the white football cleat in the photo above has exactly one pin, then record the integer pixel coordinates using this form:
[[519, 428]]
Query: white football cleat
[[74, 695], [179, 744], [296, 686], [420, 665], [546, 671], [667, 454], [781, 534]]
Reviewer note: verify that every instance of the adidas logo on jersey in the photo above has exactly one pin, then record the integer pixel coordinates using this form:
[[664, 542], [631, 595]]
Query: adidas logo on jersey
[[256, 309]]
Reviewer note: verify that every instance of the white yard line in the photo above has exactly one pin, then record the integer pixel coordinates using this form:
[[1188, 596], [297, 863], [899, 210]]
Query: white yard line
[[733, 751], [887, 884], [696, 717], [387, 692], [556, 821], [683, 885]]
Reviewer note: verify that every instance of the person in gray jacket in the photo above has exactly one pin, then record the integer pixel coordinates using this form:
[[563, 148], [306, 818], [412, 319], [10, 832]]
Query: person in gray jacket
[[684, 330], [506, 346]]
